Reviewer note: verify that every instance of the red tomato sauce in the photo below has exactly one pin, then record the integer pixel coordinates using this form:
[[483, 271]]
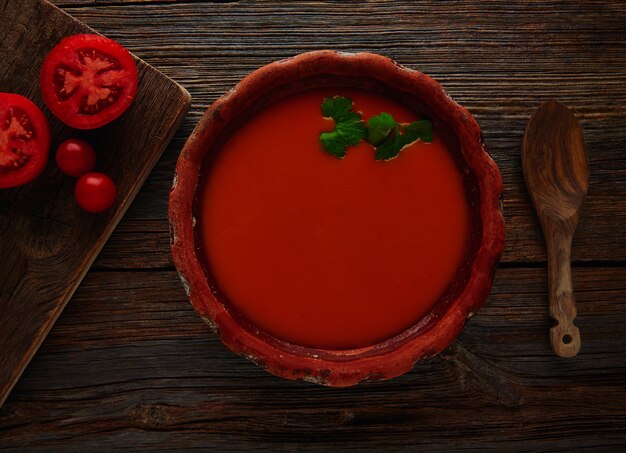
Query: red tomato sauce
[[325, 252]]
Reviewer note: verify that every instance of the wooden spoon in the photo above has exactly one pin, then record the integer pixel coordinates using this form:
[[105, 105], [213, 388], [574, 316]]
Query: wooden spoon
[[557, 176]]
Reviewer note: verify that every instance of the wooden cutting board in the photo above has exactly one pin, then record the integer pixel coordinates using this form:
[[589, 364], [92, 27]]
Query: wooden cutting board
[[47, 243]]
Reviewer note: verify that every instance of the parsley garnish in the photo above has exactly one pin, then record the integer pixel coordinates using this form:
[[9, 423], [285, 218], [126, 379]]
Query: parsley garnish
[[349, 127], [379, 127], [382, 131], [390, 137]]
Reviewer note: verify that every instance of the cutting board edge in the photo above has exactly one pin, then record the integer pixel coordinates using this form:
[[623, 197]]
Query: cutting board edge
[[42, 333]]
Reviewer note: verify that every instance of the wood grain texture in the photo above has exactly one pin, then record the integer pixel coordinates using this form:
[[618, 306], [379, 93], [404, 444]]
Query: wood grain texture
[[146, 372], [500, 60], [130, 365], [46, 242]]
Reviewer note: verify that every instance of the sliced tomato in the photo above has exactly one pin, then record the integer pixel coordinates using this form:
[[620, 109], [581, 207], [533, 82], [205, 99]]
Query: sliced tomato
[[88, 81], [24, 140]]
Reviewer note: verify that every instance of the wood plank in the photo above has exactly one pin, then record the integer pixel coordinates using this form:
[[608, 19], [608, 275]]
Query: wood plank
[[46, 242], [498, 59], [147, 372], [130, 364]]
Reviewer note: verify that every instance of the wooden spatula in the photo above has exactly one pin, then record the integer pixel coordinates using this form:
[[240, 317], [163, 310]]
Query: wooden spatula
[[557, 175]]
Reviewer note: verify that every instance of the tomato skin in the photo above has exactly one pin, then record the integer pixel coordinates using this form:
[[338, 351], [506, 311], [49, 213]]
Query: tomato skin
[[24, 140], [75, 157], [88, 80], [95, 192]]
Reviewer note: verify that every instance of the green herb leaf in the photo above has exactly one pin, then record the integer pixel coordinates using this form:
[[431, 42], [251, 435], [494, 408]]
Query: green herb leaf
[[391, 147], [398, 137], [421, 130], [349, 127], [379, 127]]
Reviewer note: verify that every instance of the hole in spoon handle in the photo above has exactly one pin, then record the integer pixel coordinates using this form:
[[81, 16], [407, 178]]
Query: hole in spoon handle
[[565, 340], [565, 336]]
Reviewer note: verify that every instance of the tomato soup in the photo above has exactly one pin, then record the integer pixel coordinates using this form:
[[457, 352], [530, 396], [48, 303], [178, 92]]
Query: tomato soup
[[325, 252]]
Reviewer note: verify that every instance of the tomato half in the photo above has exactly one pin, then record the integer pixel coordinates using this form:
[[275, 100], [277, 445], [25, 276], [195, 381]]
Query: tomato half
[[24, 140], [88, 80]]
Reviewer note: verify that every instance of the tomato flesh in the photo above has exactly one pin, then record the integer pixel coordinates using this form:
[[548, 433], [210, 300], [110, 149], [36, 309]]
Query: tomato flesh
[[88, 81], [24, 140]]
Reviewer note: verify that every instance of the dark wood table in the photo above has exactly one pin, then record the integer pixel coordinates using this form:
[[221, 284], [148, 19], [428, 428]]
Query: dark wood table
[[130, 364]]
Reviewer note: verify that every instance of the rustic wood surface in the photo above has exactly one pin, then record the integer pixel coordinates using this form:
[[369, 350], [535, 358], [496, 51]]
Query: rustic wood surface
[[47, 243], [129, 364]]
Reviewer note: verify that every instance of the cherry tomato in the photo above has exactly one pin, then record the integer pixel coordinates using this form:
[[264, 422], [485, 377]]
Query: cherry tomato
[[75, 157], [24, 140], [95, 192], [88, 80]]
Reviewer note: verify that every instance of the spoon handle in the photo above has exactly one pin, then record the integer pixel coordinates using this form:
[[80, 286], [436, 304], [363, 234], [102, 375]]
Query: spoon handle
[[565, 336]]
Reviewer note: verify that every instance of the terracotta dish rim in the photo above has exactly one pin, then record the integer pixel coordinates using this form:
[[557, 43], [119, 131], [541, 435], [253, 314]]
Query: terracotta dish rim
[[342, 367]]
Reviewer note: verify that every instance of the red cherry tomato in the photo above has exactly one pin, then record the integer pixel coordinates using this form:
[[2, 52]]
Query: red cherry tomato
[[88, 80], [24, 140], [75, 157], [95, 192]]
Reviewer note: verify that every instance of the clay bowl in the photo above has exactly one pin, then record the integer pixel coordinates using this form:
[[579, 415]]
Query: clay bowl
[[466, 293]]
